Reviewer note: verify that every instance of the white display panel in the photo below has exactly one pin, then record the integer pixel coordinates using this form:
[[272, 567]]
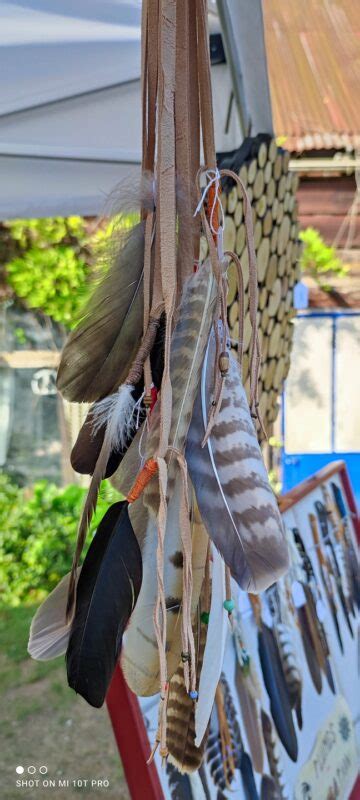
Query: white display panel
[[325, 715]]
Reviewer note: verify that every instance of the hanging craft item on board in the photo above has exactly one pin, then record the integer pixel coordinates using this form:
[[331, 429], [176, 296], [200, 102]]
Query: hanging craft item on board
[[309, 608], [275, 682], [171, 423], [350, 554]]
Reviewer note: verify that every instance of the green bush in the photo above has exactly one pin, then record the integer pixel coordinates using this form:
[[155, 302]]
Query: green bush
[[319, 260], [50, 265], [38, 530]]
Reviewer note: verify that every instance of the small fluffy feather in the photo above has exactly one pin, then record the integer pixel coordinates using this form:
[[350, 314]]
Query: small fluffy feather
[[117, 413]]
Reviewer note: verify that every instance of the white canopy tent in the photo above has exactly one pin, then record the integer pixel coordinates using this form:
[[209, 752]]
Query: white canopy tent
[[70, 125]]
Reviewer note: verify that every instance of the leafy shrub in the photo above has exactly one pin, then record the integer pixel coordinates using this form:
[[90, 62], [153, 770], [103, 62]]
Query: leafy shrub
[[319, 260], [38, 530], [50, 265]]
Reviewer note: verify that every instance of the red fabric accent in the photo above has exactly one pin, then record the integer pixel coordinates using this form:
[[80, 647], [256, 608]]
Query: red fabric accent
[[351, 499], [355, 794], [132, 740], [154, 394]]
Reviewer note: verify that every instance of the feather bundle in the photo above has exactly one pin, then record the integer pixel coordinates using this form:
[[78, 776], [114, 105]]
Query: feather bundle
[[49, 630], [140, 658], [107, 592], [232, 489]]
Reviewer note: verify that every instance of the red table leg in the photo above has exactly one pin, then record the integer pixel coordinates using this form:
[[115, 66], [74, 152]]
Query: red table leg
[[132, 741]]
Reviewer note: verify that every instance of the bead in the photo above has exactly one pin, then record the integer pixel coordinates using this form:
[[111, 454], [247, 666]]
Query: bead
[[224, 363], [205, 616], [194, 695], [229, 605], [185, 657]]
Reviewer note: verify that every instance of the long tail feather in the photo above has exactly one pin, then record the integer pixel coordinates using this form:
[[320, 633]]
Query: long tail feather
[[107, 592], [251, 720], [277, 691], [232, 488], [98, 354]]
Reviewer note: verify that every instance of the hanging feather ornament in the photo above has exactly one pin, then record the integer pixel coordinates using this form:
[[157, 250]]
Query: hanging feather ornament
[[274, 680], [232, 489], [107, 592], [274, 756], [50, 631], [225, 752], [183, 752], [140, 657], [284, 635], [248, 697], [100, 351], [218, 627], [290, 665]]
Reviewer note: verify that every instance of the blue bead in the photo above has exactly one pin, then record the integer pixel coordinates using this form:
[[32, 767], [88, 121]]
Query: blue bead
[[229, 605], [193, 695]]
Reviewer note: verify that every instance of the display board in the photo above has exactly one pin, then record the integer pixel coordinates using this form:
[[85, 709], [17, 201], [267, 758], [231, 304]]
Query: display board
[[301, 641]]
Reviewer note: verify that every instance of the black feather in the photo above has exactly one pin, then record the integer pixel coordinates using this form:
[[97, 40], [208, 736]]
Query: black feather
[[179, 784], [108, 588], [276, 688]]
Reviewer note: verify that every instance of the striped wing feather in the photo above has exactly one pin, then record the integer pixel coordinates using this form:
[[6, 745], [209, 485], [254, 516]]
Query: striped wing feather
[[235, 499]]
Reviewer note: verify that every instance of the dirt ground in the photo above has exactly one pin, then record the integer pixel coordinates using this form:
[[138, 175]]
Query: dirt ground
[[44, 724]]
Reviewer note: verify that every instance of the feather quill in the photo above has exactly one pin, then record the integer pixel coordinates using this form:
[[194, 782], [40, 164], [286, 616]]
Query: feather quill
[[214, 649], [277, 690], [49, 630], [232, 489], [107, 592], [99, 352]]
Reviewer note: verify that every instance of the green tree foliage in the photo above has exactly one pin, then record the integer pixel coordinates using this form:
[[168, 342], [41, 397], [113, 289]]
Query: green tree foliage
[[50, 265], [38, 530], [319, 260]]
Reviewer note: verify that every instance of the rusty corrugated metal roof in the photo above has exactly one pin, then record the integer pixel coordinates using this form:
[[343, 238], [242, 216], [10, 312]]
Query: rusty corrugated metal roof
[[313, 51]]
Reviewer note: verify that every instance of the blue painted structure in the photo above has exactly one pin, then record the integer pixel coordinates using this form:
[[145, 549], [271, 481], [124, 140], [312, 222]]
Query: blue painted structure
[[298, 466]]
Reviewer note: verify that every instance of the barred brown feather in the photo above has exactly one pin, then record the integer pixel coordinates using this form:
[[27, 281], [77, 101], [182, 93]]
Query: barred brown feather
[[180, 731], [232, 489]]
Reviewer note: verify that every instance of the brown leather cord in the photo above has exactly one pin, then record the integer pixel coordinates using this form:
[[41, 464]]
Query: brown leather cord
[[240, 281], [183, 147]]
